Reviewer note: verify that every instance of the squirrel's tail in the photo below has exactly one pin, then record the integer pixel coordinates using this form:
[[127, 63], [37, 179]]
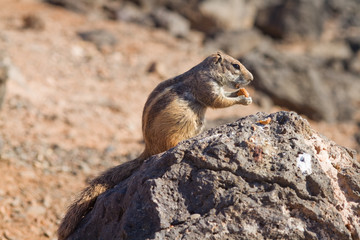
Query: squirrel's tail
[[82, 205]]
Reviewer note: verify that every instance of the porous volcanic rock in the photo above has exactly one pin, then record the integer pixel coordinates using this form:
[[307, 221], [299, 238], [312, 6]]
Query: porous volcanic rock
[[243, 180]]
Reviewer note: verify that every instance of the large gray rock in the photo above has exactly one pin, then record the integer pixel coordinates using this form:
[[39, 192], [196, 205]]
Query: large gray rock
[[304, 84], [294, 19], [243, 180]]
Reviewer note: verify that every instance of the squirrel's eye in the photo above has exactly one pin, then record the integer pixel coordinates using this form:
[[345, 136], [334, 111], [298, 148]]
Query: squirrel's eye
[[236, 66]]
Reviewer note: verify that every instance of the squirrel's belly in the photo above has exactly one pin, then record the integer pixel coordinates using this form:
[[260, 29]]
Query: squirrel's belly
[[175, 123]]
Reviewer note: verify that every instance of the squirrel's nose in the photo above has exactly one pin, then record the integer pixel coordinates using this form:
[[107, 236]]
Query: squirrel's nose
[[250, 77], [247, 74]]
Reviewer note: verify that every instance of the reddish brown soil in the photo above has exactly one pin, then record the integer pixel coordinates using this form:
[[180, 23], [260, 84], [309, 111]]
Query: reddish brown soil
[[72, 111]]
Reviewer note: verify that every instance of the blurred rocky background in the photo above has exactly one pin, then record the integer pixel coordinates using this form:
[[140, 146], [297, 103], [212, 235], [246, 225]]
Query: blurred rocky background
[[305, 54], [77, 73]]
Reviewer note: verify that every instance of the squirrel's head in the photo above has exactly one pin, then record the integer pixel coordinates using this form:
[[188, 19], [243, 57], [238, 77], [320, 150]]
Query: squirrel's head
[[228, 71]]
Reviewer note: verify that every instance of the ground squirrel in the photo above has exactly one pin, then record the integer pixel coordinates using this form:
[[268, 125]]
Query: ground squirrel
[[174, 111]]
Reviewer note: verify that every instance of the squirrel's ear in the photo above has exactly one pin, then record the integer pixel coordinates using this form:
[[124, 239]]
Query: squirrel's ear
[[218, 57]]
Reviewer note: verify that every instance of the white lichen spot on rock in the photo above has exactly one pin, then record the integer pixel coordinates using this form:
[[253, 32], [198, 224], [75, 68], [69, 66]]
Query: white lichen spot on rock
[[210, 138], [303, 161]]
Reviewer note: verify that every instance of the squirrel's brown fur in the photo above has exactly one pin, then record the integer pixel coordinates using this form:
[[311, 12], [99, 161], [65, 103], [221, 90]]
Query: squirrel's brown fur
[[173, 112]]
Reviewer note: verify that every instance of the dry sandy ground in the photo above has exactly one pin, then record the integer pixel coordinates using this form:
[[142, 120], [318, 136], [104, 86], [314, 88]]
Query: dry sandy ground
[[72, 110]]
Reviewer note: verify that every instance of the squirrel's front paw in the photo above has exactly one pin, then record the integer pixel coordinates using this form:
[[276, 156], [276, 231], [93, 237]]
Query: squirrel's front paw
[[245, 100]]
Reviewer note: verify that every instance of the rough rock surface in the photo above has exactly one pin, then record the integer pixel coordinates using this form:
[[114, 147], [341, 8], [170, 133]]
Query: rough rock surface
[[243, 180]]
